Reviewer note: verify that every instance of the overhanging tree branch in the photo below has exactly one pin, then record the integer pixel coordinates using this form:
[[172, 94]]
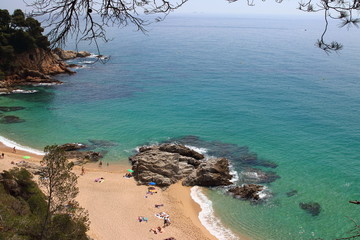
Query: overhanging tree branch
[[87, 19]]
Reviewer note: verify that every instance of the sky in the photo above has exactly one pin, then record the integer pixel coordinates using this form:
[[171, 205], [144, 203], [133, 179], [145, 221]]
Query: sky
[[269, 7]]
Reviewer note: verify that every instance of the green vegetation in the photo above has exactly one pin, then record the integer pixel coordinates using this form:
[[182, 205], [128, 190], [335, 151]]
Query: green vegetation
[[18, 34], [63, 219], [26, 213]]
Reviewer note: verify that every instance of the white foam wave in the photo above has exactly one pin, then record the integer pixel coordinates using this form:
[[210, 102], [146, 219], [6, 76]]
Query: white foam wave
[[92, 56], [254, 175], [197, 149], [234, 174], [207, 217], [150, 145], [22, 91], [10, 143], [46, 84], [86, 62]]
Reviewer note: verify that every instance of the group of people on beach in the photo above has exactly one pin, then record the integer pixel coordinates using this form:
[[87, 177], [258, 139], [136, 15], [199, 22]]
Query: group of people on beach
[[164, 216], [128, 175], [156, 230]]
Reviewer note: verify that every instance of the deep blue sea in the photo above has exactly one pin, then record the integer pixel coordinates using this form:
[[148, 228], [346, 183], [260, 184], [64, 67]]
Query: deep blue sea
[[240, 87]]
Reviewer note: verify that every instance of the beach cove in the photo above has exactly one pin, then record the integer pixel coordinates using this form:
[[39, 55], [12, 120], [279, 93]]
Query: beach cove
[[115, 204], [217, 88]]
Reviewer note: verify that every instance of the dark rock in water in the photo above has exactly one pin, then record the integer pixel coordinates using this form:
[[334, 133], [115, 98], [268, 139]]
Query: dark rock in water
[[72, 152], [72, 146], [313, 208], [182, 150], [11, 119], [247, 191], [211, 173], [83, 157], [83, 54], [11, 109], [291, 193]]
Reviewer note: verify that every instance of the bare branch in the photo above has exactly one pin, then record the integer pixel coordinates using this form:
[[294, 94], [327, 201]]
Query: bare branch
[[87, 19]]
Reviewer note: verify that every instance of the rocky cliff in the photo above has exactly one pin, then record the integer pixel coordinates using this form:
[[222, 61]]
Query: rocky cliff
[[38, 66]]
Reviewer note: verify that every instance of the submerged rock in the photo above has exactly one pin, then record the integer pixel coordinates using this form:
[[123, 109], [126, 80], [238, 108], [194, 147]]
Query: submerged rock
[[102, 143], [247, 191], [256, 176], [312, 208], [11, 119], [291, 193], [240, 155], [11, 109]]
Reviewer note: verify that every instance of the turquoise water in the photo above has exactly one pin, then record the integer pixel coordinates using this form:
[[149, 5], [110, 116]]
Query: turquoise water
[[259, 83]]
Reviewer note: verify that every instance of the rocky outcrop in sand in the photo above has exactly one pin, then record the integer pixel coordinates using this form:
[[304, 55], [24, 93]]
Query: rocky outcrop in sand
[[168, 163], [80, 157]]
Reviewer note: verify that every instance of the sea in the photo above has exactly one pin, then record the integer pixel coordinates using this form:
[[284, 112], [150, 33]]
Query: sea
[[254, 89]]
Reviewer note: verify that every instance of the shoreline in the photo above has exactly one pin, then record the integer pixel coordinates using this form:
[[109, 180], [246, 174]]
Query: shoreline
[[113, 213]]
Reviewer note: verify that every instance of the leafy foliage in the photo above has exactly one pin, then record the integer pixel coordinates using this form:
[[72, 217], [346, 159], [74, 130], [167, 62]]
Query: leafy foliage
[[18, 34], [64, 219], [24, 208]]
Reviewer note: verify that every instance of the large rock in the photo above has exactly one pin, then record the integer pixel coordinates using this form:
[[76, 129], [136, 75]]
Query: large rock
[[80, 157], [168, 163], [31, 167], [83, 54], [247, 191], [211, 173], [12, 187], [182, 150], [65, 54], [69, 54], [163, 168]]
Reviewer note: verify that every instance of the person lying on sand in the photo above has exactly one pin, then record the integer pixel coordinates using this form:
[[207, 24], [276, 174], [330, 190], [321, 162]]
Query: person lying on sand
[[141, 219], [99, 180], [153, 230], [166, 222], [159, 205], [160, 230]]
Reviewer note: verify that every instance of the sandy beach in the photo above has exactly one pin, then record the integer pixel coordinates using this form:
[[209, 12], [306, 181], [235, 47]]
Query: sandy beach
[[115, 204]]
